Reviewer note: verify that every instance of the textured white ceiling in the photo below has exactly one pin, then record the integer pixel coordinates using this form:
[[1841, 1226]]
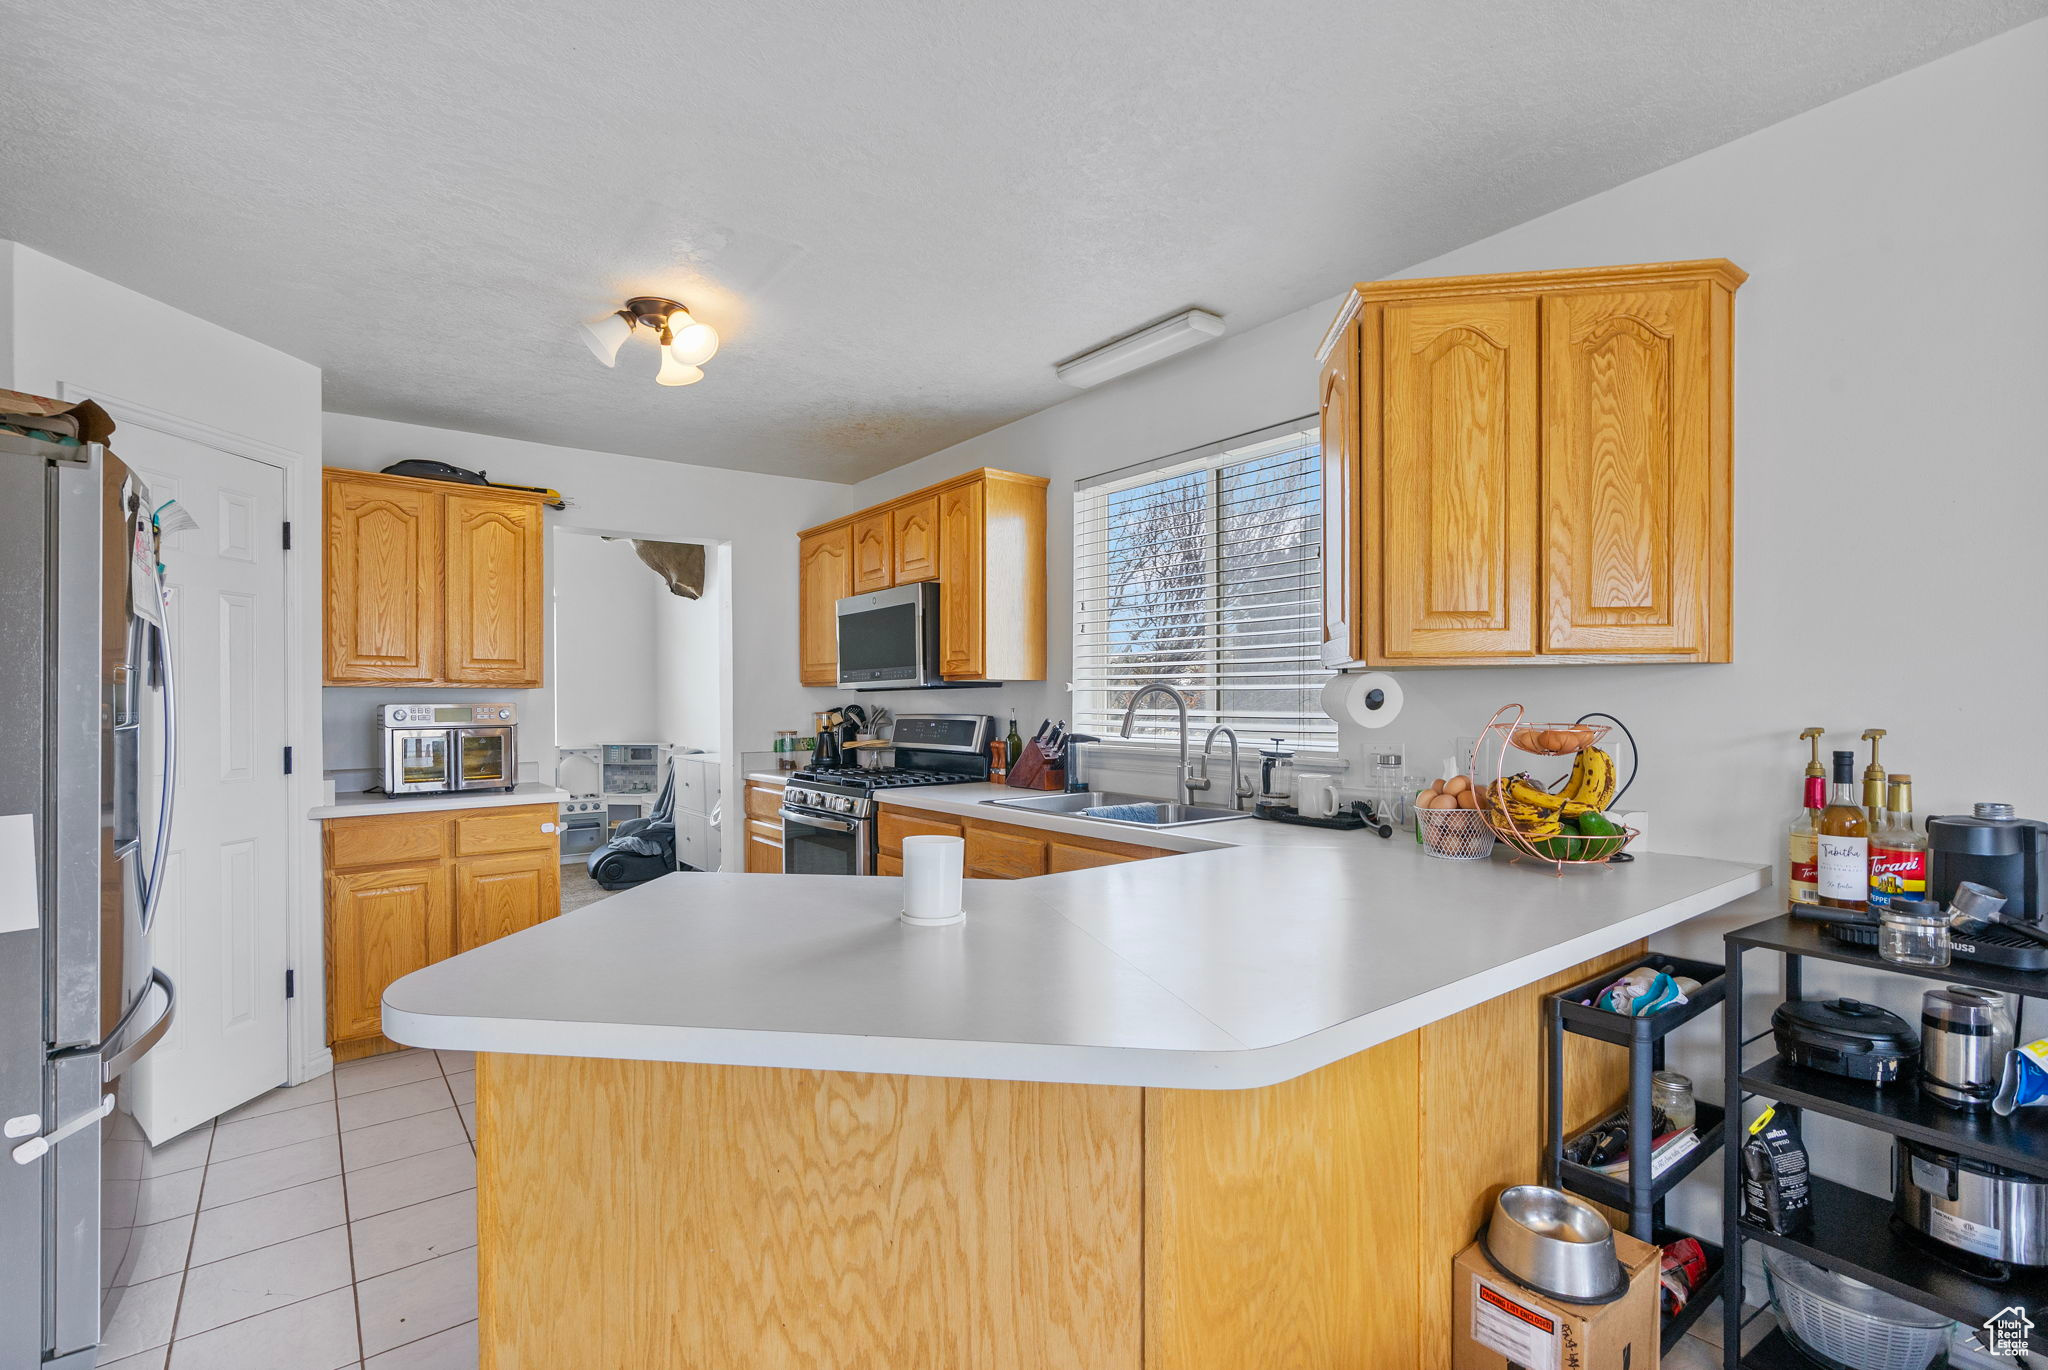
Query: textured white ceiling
[[900, 213]]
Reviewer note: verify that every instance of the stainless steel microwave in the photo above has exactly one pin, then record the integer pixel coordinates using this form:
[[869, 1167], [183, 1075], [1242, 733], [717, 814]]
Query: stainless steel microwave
[[445, 748], [889, 639]]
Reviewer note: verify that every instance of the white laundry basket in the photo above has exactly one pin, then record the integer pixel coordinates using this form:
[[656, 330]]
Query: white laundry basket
[[1848, 1321]]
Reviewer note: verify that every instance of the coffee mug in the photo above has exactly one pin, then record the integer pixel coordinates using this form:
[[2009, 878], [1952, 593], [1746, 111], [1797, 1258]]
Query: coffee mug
[[1316, 796]]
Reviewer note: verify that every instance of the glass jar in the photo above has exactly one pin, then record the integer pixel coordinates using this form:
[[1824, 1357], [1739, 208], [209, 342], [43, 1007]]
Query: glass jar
[[1671, 1095], [1913, 933]]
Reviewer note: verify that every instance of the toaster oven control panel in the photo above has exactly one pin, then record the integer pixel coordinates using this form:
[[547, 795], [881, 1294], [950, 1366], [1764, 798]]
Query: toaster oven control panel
[[443, 715]]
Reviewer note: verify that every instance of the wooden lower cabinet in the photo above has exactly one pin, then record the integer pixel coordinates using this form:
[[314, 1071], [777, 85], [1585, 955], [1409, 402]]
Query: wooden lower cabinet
[[382, 924], [1000, 851], [407, 890], [764, 848]]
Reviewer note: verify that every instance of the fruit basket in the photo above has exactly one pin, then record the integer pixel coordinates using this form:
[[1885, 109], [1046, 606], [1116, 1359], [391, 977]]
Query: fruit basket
[[1564, 821]]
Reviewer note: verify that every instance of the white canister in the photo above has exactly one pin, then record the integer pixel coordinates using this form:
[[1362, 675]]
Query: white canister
[[933, 866]]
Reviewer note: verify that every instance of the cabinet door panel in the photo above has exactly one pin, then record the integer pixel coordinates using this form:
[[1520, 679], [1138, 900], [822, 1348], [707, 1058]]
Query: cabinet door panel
[[490, 831], [1343, 641], [1457, 479], [386, 840], [496, 896], [381, 925], [917, 540], [886, 864], [824, 577], [1627, 470], [892, 826], [494, 629], [1003, 853], [382, 567], [764, 852], [962, 651], [874, 558], [764, 801]]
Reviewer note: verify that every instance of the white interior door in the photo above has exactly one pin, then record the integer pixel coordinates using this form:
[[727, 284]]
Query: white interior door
[[221, 932]]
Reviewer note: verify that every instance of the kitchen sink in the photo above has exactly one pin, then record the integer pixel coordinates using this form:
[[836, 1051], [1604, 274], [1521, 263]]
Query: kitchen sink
[[1164, 815]]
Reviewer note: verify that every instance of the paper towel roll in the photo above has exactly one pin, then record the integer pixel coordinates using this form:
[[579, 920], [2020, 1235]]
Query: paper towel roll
[[1370, 699], [932, 870]]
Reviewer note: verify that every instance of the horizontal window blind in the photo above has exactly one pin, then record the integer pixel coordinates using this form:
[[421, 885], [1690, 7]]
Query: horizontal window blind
[[1204, 572]]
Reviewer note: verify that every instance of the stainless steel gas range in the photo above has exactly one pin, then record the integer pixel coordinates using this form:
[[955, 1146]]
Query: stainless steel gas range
[[828, 812]]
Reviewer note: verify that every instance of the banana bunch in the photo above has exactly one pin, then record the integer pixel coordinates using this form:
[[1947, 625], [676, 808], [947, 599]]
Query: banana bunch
[[1593, 780], [1531, 810]]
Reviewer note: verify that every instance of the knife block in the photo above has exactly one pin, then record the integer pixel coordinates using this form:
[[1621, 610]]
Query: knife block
[[1031, 771]]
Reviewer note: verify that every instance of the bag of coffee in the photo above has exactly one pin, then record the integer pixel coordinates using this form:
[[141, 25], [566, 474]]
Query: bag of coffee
[[1774, 1179]]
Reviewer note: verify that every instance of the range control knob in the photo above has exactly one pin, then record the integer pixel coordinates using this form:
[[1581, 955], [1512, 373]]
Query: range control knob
[[504, 713]]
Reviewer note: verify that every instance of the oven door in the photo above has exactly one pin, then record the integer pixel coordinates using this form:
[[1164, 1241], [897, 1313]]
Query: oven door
[[419, 760], [486, 759], [825, 844]]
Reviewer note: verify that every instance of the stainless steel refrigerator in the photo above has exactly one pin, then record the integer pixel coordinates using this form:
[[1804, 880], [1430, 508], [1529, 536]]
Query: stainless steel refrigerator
[[87, 767]]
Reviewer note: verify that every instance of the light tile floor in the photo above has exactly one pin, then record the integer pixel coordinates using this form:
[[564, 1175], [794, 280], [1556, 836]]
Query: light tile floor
[[329, 1226]]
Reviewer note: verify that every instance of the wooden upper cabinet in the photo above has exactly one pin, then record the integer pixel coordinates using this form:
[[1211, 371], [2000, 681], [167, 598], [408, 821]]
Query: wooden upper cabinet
[[1542, 465], [1456, 475], [981, 536], [383, 577], [824, 577], [962, 584], [1338, 406], [916, 531], [429, 583], [493, 586], [874, 559], [1630, 481]]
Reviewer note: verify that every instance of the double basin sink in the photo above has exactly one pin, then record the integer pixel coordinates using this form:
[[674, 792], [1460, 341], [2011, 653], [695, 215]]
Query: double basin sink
[[1146, 812]]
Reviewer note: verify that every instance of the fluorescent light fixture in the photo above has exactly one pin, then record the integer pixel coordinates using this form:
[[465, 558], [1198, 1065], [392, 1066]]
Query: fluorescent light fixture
[[604, 337], [1141, 349]]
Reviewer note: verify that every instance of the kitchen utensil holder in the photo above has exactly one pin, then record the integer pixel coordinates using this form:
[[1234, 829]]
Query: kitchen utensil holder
[[1032, 771], [1641, 1196]]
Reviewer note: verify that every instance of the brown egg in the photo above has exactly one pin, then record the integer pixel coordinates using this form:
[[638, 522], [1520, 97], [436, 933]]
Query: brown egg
[[1529, 739], [1457, 784], [1468, 799], [1582, 737], [1547, 742], [1444, 801]]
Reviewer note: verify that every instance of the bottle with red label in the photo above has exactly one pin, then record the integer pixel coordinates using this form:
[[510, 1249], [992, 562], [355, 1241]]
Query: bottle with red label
[[1898, 850], [1802, 858]]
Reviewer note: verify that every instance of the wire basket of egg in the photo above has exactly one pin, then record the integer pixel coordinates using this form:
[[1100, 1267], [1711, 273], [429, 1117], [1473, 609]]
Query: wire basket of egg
[[1452, 827], [1563, 821]]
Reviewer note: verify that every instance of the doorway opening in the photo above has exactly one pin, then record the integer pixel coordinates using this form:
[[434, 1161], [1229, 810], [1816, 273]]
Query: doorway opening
[[642, 686]]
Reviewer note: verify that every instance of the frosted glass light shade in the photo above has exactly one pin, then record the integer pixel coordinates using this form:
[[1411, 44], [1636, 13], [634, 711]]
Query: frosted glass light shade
[[695, 345], [606, 336], [674, 372]]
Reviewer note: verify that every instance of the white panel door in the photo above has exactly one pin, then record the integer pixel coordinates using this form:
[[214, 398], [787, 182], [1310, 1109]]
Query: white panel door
[[221, 931]]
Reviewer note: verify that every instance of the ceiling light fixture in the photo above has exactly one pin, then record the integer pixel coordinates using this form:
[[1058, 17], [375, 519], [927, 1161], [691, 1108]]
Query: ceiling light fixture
[[685, 343], [1140, 349]]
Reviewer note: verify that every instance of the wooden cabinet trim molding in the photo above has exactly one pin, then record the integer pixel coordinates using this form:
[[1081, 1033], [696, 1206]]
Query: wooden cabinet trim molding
[[979, 473], [1638, 276]]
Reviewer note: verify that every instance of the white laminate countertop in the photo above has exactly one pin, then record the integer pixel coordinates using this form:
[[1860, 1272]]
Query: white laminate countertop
[[1261, 954], [369, 805]]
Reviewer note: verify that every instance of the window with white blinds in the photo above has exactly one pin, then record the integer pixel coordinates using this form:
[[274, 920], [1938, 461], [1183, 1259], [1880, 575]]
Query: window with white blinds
[[1203, 572]]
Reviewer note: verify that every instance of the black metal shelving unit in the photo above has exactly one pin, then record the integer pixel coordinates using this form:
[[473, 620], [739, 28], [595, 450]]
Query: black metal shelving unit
[[1642, 1194], [1852, 1231]]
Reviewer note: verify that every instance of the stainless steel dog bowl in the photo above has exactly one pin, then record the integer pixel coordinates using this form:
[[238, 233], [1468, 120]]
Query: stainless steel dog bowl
[[1555, 1244]]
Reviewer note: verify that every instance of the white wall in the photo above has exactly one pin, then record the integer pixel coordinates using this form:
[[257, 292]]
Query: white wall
[[1891, 468], [754, 517], [67, 332], [603, 656], [689, 651]]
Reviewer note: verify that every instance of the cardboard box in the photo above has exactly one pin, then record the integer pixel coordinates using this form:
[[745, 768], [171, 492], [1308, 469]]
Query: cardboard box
[[1496, 1324]]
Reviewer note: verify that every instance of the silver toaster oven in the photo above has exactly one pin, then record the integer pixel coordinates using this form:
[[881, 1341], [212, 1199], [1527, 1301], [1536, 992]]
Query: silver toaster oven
[[449, 748]]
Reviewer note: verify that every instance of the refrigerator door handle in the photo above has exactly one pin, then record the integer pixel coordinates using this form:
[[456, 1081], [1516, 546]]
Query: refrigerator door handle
[[152, 890], [116, 1058], [37, 1147]]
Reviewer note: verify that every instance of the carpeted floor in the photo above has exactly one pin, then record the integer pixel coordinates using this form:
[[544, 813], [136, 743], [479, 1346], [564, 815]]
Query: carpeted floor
[[578, 889]]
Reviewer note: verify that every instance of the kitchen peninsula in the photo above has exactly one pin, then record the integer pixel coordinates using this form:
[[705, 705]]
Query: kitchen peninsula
[[1236, 1106]]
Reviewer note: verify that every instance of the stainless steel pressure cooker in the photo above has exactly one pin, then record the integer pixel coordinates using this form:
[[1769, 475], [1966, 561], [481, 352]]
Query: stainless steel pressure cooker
[[1972, 1206]]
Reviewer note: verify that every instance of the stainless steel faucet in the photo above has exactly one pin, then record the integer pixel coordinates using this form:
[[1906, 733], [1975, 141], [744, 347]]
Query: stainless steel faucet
[[1180, 702], [1240, 788]]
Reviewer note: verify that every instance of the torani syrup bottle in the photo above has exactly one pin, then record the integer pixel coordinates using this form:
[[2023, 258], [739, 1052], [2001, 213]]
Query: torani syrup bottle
[[1898, 850]]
